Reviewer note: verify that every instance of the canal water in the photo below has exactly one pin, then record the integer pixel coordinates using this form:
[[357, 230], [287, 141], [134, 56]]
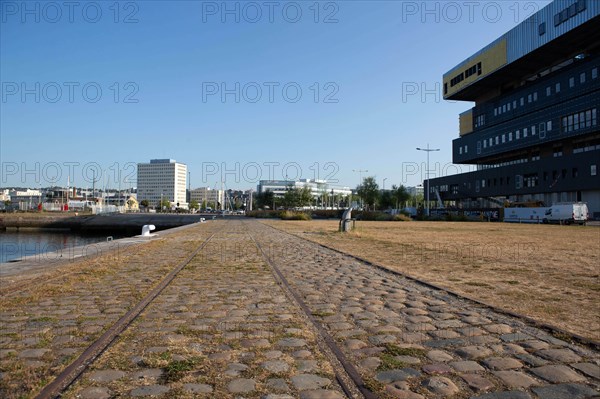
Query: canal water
[[45, 244]]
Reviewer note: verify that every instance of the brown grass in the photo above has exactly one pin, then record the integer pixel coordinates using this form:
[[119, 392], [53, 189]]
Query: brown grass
[[549, 273]]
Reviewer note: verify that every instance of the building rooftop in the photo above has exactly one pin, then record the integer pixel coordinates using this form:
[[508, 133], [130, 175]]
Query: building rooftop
[[555, 33]]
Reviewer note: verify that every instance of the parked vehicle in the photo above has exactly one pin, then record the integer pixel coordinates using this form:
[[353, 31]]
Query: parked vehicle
[[525, 215], [563, 213], [567, 213]]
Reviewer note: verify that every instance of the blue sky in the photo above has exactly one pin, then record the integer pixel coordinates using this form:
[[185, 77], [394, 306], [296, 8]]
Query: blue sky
[[348, 69]]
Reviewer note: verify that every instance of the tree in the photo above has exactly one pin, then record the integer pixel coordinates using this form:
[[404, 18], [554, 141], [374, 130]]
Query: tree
[[401, 195], [165, 203], [386, 199], [369, 191], [145, 203], [194, 204], [291, 198], [306, 196], [265, 199]]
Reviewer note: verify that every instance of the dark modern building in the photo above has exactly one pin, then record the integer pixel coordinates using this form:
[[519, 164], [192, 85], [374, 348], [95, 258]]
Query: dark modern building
[[533, 133]]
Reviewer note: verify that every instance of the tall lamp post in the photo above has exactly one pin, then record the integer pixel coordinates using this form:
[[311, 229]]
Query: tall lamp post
[[360, 172], [427, 150]]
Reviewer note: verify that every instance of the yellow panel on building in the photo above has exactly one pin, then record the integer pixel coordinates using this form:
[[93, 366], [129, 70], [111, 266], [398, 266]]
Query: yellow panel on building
[[465, 122], [475, 68]]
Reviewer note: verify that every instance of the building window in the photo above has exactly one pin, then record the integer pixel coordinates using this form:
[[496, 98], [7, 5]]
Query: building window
[[582, 77], [510, 136], [542, 130], [549, 126], [514, 104], [522, 101], [524, 132], [508, 107], [495, 111], [491, 141], [557, 152], [593, 170], [497, 140], [557, 88], [503, 138], [542, 29], [460, 150], [595, 73], [548, 91], [466, 149], [482, 183], [533, 130], [574, 173], [535, 96], [517, 135], [484, 143], [571, 82], [528, 98]]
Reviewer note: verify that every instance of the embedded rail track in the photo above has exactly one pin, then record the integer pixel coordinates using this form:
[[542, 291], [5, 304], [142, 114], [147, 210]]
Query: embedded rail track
[[70, 374], [352, 373], [554, 330], [347, 376]]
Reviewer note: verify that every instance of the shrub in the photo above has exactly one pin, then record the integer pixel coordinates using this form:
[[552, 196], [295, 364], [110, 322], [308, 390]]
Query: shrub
[[291, 215]]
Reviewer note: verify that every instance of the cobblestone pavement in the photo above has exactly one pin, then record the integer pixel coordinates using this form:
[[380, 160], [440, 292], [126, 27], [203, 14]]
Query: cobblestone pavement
[[46, 326], [224, 328], [411, 341]]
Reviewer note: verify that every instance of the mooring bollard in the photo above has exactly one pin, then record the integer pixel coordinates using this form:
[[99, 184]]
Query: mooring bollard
[[146, 229], [347, 223]]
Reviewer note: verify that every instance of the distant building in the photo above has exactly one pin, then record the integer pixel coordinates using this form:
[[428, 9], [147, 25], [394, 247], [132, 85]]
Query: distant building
[[162, 179], [25, 199], [415, 191], [208, 196], [533, 133], [318, 188]]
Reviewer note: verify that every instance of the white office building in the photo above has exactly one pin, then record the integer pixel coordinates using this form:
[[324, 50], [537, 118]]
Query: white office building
[[318, 188], [208, 196], [162, 179]]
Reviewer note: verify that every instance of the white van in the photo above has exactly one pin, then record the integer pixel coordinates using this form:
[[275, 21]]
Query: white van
[[567, 213]]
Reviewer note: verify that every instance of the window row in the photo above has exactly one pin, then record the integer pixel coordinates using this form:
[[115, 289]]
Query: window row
[[550, 90], [475, 69], [579, 120], [518, 134], [569, 12], [530, 180]]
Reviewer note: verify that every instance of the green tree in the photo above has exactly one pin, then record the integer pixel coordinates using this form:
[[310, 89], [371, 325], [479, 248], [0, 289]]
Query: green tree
[[291, 198], [306, 196], [386, 199], [369, 191], [145, 203], [165, 204], [194, 204], [401, 195], [265, 199]]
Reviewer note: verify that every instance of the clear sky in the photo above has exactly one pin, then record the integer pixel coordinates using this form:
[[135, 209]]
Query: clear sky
[[249, 90]]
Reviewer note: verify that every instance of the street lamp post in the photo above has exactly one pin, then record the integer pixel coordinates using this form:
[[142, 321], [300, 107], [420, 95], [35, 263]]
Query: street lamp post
[[360, 172], [427, 150]]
